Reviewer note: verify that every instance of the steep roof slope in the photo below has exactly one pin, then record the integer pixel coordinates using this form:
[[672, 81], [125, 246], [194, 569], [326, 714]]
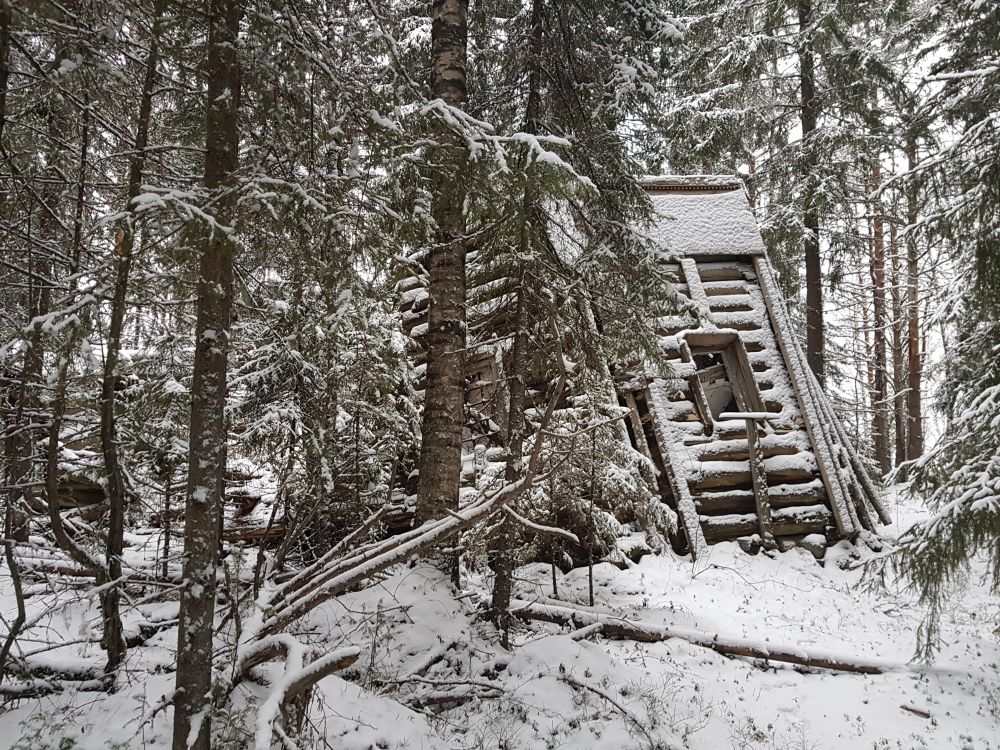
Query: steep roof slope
[[703, 215]]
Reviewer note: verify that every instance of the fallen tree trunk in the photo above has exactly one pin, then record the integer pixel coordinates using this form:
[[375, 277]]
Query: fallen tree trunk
[[621, 628], [340, 575]]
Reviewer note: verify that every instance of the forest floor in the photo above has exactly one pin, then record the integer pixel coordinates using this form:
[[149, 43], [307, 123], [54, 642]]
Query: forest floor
[[432, 676]]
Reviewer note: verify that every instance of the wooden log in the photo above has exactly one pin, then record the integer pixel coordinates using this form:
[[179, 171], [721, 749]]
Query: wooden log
[[697, 392], [721, 528], [800, 385], [737, 473], [742, 501], [710, 272], [621, 628], [726, 288], [729, 303], [759, 479], [736, 449]]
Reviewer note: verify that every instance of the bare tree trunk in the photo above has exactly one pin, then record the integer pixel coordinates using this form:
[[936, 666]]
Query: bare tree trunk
[[809, 114], [503, 558], [898, 372], [504, 566], [866, 331], [444, 394], [5, 23], [115, 480], [914, 366], [880, 419], [206, 463], [14, 629]]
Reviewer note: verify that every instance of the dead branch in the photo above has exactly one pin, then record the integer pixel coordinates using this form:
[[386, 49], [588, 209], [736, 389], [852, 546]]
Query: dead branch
[[320, 668], [621, 628], [541, 528], [428, 660], [297, 681], [15, 576], [36, 688], [916, 711], [303, 577], [611, 701]]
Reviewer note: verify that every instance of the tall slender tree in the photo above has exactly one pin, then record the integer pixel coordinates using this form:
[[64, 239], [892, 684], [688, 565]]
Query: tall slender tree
[[444, 393], [216, 249]]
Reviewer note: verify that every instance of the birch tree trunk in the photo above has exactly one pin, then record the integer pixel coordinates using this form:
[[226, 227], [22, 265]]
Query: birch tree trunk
[[444, 394], [192, 702]]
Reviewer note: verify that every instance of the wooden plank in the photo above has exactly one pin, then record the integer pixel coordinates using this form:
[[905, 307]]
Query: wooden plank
[[739, 476], [669, 443], [741, 376], [697, 392], [759, 480], [704, 338], [730, 527], [636, 422], [711, 373], [821, 448]]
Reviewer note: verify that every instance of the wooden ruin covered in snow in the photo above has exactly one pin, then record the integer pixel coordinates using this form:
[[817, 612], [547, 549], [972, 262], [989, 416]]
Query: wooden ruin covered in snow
[[745, 443], [745, 440]]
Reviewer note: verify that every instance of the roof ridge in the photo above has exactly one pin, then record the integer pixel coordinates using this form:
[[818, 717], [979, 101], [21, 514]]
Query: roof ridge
[[694, 182]]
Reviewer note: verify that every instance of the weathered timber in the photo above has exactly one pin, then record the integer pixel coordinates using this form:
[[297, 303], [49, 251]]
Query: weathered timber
[[621, 628]]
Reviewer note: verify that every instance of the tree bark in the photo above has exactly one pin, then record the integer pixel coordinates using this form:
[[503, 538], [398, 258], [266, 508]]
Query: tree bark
[[898, 370], [809, 113], [620, 628], [5, 23], [444, 395], [504, 560], [206, 461], [115, 480], [914, 365], [880, 417]]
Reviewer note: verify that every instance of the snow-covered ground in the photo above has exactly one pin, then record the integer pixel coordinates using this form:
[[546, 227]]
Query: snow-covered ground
[[432, 676]]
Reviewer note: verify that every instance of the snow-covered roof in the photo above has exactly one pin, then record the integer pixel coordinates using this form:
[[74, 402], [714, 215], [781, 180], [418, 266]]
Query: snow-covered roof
[[703, 215]]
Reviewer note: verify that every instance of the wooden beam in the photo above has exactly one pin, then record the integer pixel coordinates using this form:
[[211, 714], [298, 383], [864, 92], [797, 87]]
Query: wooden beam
[[821, 447], [697, 390], [618, 627]]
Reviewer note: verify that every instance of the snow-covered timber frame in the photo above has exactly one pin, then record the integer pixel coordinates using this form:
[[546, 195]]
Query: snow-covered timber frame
[[740, 427], [745, 443]]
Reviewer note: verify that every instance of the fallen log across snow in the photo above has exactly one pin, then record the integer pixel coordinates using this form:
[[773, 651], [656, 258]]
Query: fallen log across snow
[[620, 628]]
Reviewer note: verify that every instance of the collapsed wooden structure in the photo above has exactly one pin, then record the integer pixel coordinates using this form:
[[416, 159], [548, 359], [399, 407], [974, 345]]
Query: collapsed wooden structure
[[743, 436], [744, 441]]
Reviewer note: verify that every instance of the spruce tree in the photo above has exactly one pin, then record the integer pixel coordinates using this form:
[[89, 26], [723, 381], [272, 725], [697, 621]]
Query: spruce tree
[[959, 477]]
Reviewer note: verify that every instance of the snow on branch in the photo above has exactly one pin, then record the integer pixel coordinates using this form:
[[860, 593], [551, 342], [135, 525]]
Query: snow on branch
[[541, 528]]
